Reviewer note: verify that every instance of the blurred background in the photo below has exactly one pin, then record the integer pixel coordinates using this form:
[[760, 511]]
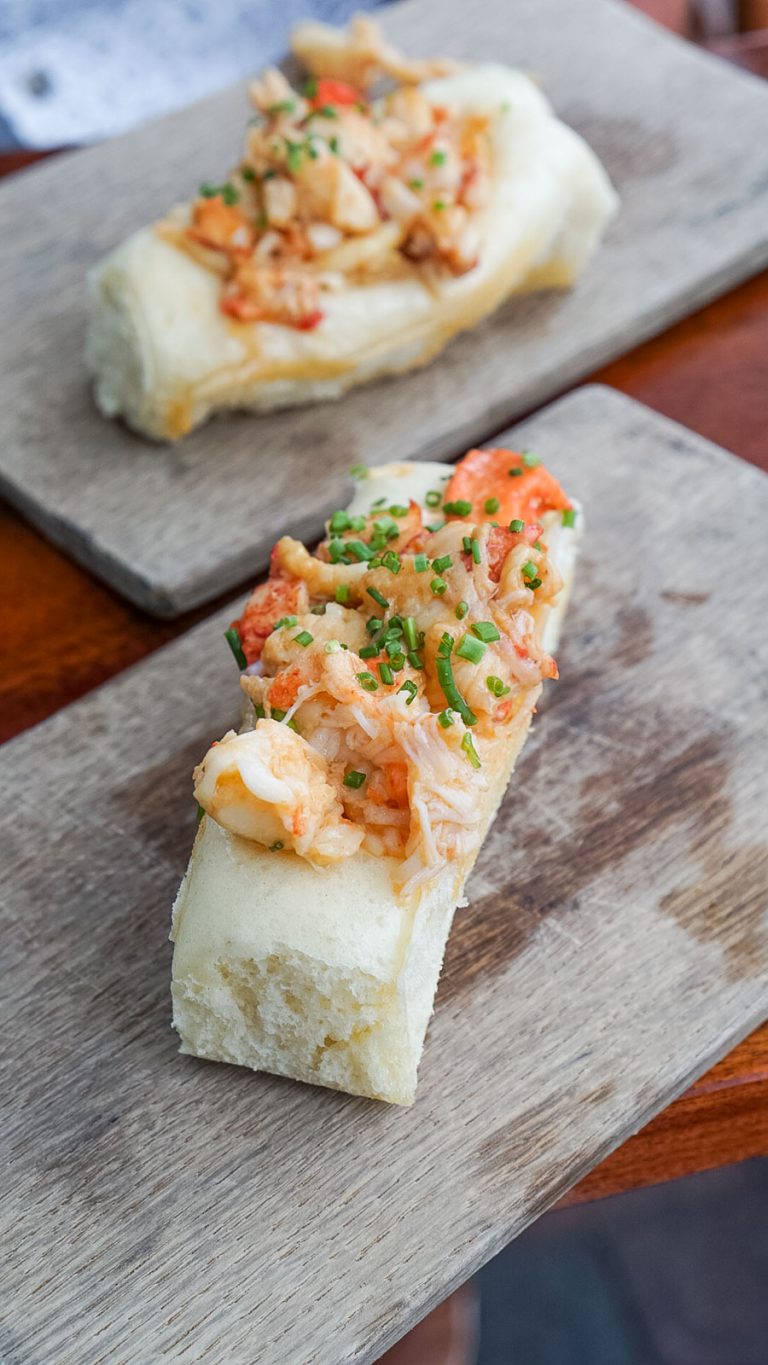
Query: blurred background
[[676, 1274]]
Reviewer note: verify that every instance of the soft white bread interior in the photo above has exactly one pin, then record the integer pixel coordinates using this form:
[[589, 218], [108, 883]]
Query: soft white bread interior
[[326, 976], [164, 356]]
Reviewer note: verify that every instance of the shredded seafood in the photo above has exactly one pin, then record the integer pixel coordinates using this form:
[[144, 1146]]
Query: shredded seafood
[[384, 672], [335, 184]]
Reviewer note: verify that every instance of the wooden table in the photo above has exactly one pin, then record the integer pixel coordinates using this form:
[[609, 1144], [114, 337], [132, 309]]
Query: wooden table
[[64, 633]]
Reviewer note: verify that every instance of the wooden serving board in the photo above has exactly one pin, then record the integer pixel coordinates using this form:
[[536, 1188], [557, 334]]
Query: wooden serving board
[[616, 944], [684, 139]]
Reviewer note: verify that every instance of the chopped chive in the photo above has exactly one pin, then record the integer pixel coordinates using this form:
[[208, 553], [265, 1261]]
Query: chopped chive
[[433, 498], [354, 779], [342, 593], [438, 205], [410, 687], [200, 812], [436, 526], [309, 89], [367, 681], [485, 631], [530, 461], [232, 637], [357, 523], [462, 610], [529, 569], [285, 621], [448, 683], [332, 647], [373, 623], [420, 563], [534, 583], [513, 473], [259, 711], [517, 525], [377, 504], [414, 659], [391, 560], [303, 638], [368, 651], [293, 156], [468, 746], [467, 544], [360, 471], [358, 549], [277, 713], [248, 173], [409, 631], [333, 143], [444, 562], [327, 111], [276, 846], [496, 686], [339, 522], [460, 508], [438, 586], [282, 107], [569, 516], [416, 184], [397, 510], [437, 158], [336, 550], [397, 660], [476, 555], [445, 718], [378, 597], [386, 675], [319, 610], [492, 505], [470, 649]]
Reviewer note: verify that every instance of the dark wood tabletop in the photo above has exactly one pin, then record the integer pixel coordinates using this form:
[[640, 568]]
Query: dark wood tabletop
[[65, 633]]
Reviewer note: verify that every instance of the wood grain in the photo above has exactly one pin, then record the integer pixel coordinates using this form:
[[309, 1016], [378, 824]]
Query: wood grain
[[171, 528], [160, 1208]]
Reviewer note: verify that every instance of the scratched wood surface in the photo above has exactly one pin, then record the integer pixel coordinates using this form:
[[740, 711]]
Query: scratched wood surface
[[616, 944], [683, 137]]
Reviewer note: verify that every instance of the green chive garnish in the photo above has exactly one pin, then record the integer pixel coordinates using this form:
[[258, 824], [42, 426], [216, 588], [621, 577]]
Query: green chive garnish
[[420, 563], [332, 647], [397, 510], [492, 505], [416, 184], [360, 471], [409, 631], [438, 586], [476, 555], [339, 522], [467, 745], [232, 637], [433, 498], [303, 638], [248, 173], [436, 526], [367, 681], [378, 597], [333, 143], [410, 687], [354, 779], [285, 621], [448, 683], [336, 550], [496, 686], [441, 564], [445, 718], [534, 583], [342, 593], [437, 158], [368, 651], [277, 713], [513, 473], [471, 649], [391, 560], [327, 111], [358, 549], [569, 516], [414, 659], [517, 525], [200, 812], [485, 631], [530, 461], [282, 107], [529, 569], [462, 610], [438, 205], [276, 846], [460, 508], [386, 674]]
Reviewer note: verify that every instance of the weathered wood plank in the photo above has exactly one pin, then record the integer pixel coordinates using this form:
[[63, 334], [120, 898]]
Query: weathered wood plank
[[683, 137], [160, 1208]]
